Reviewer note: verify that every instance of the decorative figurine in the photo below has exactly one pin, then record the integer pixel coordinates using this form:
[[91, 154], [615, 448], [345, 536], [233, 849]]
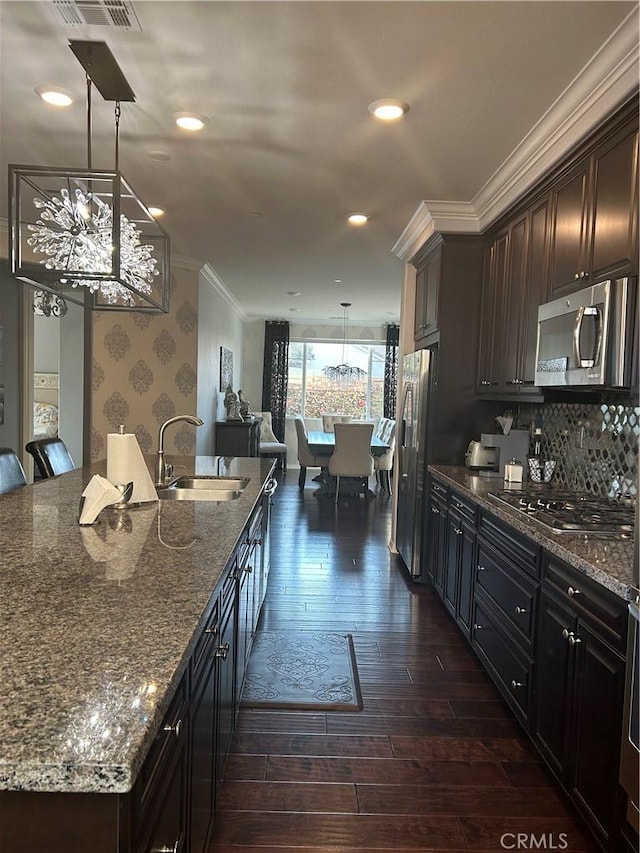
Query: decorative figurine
[[245, 408], [232, 405]]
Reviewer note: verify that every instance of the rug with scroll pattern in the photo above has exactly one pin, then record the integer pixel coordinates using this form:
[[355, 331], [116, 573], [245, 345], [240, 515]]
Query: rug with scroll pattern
[[302, 669]]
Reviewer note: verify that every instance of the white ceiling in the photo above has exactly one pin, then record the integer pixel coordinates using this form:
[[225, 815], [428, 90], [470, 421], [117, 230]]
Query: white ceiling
[[286, 86]]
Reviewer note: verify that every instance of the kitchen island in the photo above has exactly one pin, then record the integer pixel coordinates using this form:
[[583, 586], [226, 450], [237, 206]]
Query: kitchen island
[[101, 629]]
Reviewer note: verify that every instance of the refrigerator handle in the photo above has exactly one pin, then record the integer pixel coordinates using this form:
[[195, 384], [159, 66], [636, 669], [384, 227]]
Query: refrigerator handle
[[403, 425]]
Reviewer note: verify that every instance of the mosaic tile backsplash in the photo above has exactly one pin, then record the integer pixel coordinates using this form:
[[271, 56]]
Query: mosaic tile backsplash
[[595, 446]]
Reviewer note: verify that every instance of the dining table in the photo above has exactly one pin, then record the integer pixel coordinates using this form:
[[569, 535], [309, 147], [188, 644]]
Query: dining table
[[324, 443]]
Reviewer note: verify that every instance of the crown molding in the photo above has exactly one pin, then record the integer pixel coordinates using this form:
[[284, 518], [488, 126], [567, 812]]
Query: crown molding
[[187, 263], [211, 277], [431, 216], [609, 77]]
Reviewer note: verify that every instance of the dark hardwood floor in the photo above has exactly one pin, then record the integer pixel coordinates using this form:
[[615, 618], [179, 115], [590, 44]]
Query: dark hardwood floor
[[434, 761]]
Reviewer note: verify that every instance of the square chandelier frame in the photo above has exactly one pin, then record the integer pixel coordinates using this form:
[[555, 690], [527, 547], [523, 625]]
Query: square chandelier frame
[[101, 187]]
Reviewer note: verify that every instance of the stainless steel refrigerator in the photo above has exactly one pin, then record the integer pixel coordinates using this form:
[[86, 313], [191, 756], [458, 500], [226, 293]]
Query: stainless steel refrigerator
[[416, 421]]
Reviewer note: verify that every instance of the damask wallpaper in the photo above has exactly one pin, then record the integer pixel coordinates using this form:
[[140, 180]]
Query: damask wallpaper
[[144, 371]]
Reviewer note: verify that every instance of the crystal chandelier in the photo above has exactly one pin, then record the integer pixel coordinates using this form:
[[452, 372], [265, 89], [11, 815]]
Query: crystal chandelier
[[344, 372], [90, 226]]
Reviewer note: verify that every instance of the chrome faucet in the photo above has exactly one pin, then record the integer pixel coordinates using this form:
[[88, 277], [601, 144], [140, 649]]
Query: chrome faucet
[[161, 466]]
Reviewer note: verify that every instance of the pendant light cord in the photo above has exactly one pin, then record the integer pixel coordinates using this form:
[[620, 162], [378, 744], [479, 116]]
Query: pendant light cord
[[117, 113]]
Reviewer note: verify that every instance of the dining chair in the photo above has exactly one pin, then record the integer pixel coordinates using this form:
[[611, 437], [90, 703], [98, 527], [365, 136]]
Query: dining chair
[[305, 457], [51, 456], [383, 464], [269, 444], [352, 455], [329, 421], [11, 471]]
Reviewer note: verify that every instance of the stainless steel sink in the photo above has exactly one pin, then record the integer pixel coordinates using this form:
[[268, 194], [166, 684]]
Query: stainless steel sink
[[203, 488]]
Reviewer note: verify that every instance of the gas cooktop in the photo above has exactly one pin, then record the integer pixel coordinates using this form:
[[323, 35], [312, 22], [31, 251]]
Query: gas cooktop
[[566, 512]]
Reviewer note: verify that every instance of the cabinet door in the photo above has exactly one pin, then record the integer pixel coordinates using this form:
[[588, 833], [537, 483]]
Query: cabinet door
[[537, 290], [466, 574], [438, 546], [428, 277], [203, 753], [554, 683], [596, 726], [453, 532], [569, 231], [614, 235], [226, 697], [491, 323], [513, 305]]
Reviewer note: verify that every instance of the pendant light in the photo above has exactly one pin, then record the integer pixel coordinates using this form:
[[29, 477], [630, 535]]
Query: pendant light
[[94, 232], [344, 372]]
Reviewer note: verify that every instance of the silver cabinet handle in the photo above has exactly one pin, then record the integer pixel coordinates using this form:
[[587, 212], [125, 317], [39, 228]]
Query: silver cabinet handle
[[481, 568], [477, 627], [565, 633], [573, 640], [515, 684], [458, 531], [222, 651], [435, 511], [213, 630], [572, 591], [248, 569], [520, 610], [175, 848], [175, 729]]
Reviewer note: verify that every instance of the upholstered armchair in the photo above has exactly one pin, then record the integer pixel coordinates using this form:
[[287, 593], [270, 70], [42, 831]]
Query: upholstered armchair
[[51, 456], [269, 444]]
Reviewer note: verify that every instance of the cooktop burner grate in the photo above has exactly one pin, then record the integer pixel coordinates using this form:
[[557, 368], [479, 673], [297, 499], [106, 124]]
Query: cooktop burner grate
[[565, 512]]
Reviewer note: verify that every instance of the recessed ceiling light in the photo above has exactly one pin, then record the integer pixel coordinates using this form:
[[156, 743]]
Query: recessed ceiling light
[[55, 95], [337, 281], [294, 292], [155, 211], [255, 213], [190, 121], [358, 218], [389, 109], [294, 309], [161, 156]]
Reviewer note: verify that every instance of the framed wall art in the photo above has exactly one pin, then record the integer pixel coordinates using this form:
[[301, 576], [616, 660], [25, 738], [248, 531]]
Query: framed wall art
[[226, 368]]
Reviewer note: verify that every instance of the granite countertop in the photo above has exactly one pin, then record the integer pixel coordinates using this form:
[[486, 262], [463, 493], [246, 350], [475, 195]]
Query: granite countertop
[[607, 560], [98, 623]]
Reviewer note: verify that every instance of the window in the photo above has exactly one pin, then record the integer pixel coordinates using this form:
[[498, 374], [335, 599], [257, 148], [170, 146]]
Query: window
[[311, 393]]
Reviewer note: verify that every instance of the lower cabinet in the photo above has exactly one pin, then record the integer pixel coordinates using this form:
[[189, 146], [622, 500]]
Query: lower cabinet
[[552, 639], [460, 553], [579, 692]]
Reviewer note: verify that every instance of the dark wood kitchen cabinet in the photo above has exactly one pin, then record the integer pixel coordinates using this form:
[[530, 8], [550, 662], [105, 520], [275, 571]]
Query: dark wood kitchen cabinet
[[505, 593], [428, 276], [460, 560], [594, 228], [516, 283], [580, 668], [249, 577], [435, 523]]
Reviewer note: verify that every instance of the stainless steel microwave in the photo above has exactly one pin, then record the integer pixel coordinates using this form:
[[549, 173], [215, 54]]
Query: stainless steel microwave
[[587, 338]]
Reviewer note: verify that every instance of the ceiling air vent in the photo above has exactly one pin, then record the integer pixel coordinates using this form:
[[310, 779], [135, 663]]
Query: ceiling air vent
[[118, 14]]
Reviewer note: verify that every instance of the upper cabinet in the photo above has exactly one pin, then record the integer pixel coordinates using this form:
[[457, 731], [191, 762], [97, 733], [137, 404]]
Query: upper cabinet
[[578, 226], [516, 282], [428, 276], [594, 215]]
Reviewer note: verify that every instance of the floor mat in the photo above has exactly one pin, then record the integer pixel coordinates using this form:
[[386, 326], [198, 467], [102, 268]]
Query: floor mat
[[302, 669]]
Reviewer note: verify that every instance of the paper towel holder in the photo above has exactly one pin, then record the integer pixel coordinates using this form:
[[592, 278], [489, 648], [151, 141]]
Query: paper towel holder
[[126, 490]]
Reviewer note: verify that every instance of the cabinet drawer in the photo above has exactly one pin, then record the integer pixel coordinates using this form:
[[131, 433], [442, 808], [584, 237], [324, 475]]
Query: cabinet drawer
[[510, 669], [587, 598], [438, 490], [465, 508], [206, 643], [510, 591], [171, 738], [522, 551], [229, 585]]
